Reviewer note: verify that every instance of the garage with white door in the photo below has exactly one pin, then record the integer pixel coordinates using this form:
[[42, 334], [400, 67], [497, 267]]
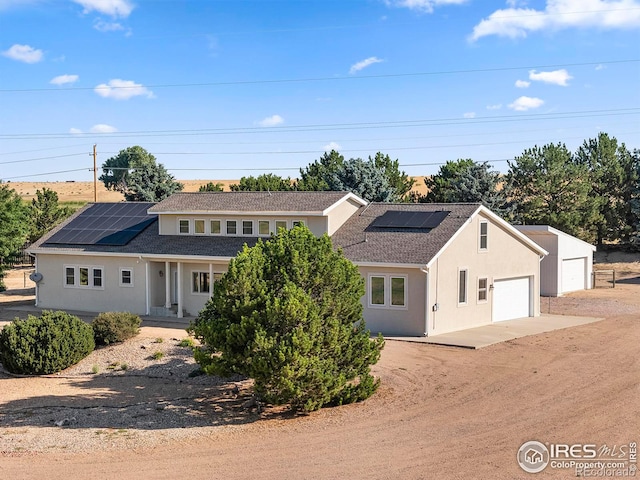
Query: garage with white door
[[569, 265], [511, 299]]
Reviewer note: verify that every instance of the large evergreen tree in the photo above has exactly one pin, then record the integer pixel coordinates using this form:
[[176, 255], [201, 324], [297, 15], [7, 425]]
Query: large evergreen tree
[[634, 212], [548, 187], [364, 179], [150, 183], [440, 185], [612, 174], [314, 176], [288, 314], [398, 180], [14, 227]]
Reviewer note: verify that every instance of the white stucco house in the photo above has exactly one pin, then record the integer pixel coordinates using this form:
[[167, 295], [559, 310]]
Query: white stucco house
[[428, 268], [569, 265]]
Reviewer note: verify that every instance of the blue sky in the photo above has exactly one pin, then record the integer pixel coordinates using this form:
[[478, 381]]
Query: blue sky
[[218, 89]]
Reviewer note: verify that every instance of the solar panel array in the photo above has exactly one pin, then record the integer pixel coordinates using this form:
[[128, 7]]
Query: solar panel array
[[105, 224], [404, 219]]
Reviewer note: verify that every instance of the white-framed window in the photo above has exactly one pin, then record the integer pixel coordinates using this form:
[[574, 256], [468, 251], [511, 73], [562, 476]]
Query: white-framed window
[[463, 280], [198, 227], [126, 277], [483, 289], [232, 227], [215, 227], [483, 236], [184, 227], [200, 282], [281, 224], [387, 291], [83, 276], [247, 227], [264, 228], [297, 223]]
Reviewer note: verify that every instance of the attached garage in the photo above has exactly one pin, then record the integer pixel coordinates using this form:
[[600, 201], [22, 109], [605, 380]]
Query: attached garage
[[511, 299], [569, 265]]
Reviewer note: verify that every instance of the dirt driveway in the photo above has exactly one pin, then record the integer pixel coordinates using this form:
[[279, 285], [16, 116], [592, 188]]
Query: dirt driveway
[[441, 412]]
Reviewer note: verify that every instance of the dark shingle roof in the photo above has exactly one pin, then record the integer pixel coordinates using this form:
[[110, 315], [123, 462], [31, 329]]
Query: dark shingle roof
[[362, 242], [258, 202]]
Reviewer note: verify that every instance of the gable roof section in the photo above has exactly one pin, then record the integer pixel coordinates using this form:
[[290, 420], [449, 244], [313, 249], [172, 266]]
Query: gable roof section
[[363, 242], [548, 230], [255, 203]]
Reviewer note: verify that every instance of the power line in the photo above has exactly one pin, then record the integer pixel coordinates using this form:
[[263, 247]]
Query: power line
[[42, 158], [343, 126], [48, 173], [317, 79]]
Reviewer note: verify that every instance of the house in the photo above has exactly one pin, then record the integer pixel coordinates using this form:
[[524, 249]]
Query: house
[[569, 265], [428, 268]]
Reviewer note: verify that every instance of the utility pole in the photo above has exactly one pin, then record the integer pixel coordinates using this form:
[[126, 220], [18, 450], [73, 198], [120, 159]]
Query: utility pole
[[95, 176]]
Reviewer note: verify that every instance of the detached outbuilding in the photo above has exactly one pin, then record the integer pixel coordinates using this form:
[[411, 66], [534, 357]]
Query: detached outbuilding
[[569, 265]]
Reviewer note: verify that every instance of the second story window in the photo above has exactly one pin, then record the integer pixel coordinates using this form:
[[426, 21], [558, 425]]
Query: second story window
[[247, 227], [231, 227]]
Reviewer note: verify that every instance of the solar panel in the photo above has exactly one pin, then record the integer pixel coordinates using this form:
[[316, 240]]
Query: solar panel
[[405, 219], [105, 224]]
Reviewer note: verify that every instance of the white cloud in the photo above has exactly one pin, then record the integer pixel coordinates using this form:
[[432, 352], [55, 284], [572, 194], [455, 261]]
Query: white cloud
[[103, 26], [271, 121], [75, 131], [558, 15], [426, 6], [332, 146], [23, 53], [64, 79], [556, 77], [356, 67], [103, 128], [495, 106], [113, 8], [600, 67], [469, 115], [122, 90], [522, 83], [523, 103]]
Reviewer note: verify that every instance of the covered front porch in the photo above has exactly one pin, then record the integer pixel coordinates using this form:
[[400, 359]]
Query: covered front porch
[[177, 288]]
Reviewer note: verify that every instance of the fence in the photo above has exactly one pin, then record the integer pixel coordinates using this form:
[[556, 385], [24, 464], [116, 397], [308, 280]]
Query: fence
[[21, 257]]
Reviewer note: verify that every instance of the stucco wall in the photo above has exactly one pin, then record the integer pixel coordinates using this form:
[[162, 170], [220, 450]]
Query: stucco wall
[[340, 214], [53, 294], [505, 257], [393, 320]]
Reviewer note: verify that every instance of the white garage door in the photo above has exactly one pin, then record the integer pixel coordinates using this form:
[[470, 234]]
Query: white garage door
[[511, 299], [573, 274]]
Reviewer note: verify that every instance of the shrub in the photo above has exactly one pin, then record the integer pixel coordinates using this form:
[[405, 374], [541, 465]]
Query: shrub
[[288, 314], [114, 327], [45, 344]]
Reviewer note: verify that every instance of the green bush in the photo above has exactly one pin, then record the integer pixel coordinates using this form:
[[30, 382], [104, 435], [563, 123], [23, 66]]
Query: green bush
[[114, 327], [45, 344]]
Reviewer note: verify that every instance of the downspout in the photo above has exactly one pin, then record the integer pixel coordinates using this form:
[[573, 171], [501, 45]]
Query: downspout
[[35, 266], [426, 300], [147, 293]]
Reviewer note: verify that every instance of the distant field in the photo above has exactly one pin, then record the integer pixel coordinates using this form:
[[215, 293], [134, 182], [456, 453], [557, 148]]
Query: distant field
[[83, 191]]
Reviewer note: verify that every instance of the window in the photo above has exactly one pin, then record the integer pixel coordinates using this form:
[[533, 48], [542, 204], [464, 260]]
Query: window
[[215, 227], [70, 276], [397, 291], [281, 224], [484, 230], [97, 277], [183, 226], [482, 290], [377, 290], [263, 227], [247, 227], [462, 287], [388, 291], [297, 223], [200, 282], [199, 226], [126, 277], [83, 277], [231, 227]]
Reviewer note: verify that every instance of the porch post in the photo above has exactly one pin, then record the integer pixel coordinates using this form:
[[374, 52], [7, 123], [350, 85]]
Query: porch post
[[167, 285], [179, 289]]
